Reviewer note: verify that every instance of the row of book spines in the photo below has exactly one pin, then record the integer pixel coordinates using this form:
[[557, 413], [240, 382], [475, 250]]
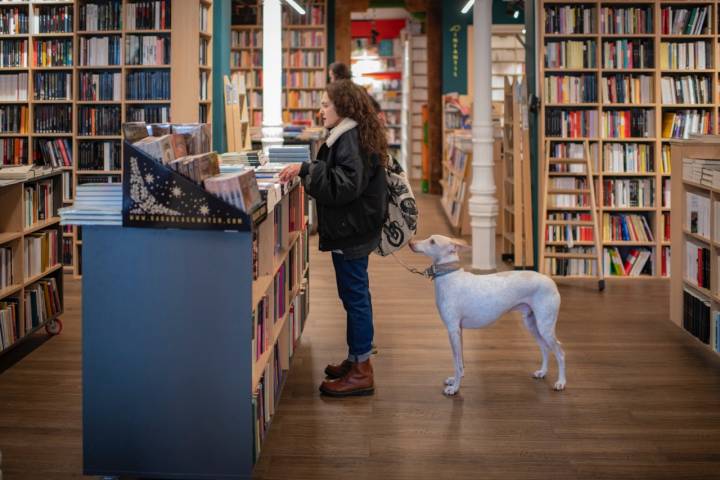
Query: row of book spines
[[149, 15], [41, 302], [13, 21], [101, 16], [53, 19], [572, 266], [697, 265], [635, 262], [699, 319], [39, 203], [41, 252], [624, 227]]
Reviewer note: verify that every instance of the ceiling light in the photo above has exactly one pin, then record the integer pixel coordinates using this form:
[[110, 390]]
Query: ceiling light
[[297, 7], [516, 14], [467, 6]]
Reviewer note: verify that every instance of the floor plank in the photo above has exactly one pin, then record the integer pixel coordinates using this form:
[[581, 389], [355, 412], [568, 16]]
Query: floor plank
[[642, 398]]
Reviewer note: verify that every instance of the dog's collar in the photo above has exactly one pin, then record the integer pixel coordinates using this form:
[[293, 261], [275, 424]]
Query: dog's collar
[[441, 269]]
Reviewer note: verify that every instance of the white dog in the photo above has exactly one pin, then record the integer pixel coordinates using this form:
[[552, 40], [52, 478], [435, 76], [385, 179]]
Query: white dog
[[465, 300]]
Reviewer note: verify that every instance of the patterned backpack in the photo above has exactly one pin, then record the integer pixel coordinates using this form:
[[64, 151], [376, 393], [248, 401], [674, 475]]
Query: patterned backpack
[[402, 213]]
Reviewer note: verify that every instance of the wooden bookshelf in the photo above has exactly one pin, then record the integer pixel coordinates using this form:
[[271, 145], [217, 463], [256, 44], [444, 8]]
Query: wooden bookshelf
[[457, 178], [513, 186], [246, 54], [13, 234], [651, 101], [706, 148]]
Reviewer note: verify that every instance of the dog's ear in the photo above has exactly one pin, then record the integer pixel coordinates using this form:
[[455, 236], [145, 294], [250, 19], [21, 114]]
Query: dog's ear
[[460, 245]]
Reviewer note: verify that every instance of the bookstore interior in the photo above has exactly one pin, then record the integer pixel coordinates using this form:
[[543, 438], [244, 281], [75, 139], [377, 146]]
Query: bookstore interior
[[193, 195]]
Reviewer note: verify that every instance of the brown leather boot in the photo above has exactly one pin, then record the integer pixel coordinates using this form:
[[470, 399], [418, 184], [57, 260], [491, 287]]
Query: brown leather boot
[[358, 381], [338, 371]]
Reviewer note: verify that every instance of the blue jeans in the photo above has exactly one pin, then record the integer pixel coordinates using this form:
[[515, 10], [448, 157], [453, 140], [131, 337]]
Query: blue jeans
[[354, 291]]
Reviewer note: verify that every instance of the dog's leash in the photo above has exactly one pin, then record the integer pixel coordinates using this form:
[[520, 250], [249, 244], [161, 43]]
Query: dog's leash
[[423, 273]]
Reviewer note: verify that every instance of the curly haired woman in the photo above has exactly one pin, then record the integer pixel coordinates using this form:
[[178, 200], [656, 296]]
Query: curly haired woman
[[348, 182]]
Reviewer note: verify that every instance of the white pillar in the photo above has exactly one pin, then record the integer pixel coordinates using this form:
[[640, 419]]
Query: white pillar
[[483, 205], [272, 127]]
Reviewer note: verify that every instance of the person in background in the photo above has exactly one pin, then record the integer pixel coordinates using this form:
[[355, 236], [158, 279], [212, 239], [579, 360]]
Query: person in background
[[349, 185], [339, 71]]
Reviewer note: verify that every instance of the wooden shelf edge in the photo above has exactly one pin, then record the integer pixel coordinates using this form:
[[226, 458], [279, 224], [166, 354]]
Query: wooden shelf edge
[[40, 226], [40, 276], [31, 332]]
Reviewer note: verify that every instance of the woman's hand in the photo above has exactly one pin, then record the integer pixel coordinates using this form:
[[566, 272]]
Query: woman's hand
[[290, 172]]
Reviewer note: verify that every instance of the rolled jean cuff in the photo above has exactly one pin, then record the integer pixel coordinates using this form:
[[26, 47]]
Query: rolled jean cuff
[[360, 358]]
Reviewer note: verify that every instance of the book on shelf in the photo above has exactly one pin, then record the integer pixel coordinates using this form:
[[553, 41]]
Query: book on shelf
[[68, 186], [147, 49], [571, 89], [697, 264], [7, 269], [569, 199], [305, 79], [569, 234], [665, 261], [571, 266], [13, 20], [246, 38], [686, 55], [314, 15], [204, 19], [634, 262], [705, 172], [198, 168], [571, 54], [570, 19], [41, 252], [634, 123], [572, 150], [628, 158], [148, 113], [67, 252], [100, 51], [297, 38], [624, 88], [52, 52], [99, 155], [687, 89], [52, 19], [300, 58], [148, 15], [39, 202], [13, 151], [13, 87], [626, 20], [626, 228], [238, 188], [203, 56], [666, 190], [571, 123], [664, 166], [696, 315], [98, 120], [697, 214], [13, 52], [53, 118], [9, 317], [99, 86], [684, 123], [52, 85], [684, 21], [628, 193], [42, 302], [627, 54], [205, 79], [13, 119], [665, 226], [54, 153], [100, 15]]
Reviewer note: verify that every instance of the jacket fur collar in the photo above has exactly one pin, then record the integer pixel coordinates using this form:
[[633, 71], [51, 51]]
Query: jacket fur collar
[[345, 125]]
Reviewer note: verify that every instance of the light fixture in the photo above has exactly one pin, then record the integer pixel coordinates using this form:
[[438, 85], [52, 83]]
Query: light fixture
[[297, 7], [524, 31], [516, 14], [467, 6]]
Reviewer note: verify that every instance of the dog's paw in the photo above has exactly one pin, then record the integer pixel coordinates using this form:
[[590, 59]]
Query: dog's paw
[[450, 381], [451, 390], [559, 385], [540, 374]]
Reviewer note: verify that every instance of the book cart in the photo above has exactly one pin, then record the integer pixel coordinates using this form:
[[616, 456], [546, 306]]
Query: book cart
[[179, 379]]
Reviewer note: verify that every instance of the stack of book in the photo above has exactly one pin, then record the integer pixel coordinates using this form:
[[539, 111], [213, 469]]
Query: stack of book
[[95, 204], [289, 154], [704, 172], [634, 265]]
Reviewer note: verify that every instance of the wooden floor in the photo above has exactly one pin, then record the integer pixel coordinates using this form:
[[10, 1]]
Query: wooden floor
[[643, 399]]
